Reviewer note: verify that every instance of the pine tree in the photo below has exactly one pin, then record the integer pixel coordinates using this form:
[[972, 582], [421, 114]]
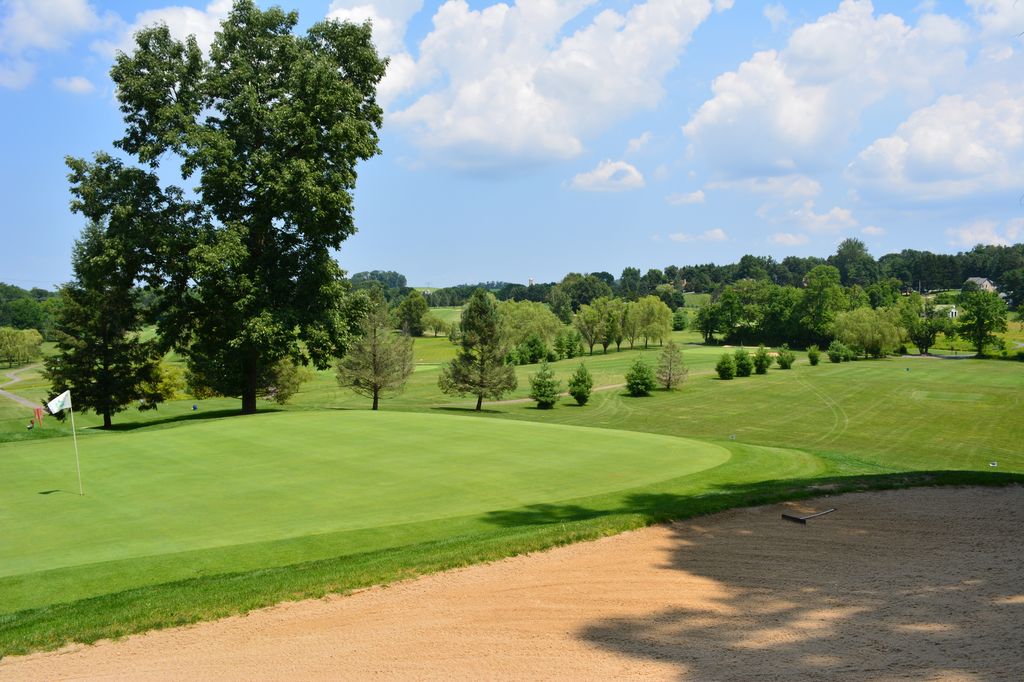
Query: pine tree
[[744, 365], [378, 361], [479, 366], [580, 384], [672, 371], [762, 361], [639, 378], [100, 355], [544, 388]]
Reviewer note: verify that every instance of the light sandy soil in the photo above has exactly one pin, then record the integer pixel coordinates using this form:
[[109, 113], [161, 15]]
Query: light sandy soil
[[922, 584]]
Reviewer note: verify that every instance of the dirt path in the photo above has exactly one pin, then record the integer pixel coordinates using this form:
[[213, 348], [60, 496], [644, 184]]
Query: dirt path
[[919, 584], [13, 379]]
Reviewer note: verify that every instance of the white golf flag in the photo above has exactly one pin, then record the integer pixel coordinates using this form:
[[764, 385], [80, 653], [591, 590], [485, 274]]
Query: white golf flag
[[61, 402]]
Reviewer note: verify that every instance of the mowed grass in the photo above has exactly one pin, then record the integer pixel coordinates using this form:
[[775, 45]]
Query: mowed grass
[[208, 515], [198, 487]]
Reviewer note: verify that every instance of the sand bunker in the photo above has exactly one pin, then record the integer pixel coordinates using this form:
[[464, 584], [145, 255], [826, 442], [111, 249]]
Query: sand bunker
[[926, 584]]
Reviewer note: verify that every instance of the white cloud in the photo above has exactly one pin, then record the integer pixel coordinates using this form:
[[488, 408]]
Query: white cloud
[[957, 147], [779, 186], [873, 231], [27, 26], [833, 220], [776, 15], [78, 85], [182, 22], [390, 19], [638, 143], [795, 108], [986, 232], [44, 24], [723, 5], [687, 198], [788, 239], [609, 176], [502, 84], [16, 73], [999, 19], [716, 235]]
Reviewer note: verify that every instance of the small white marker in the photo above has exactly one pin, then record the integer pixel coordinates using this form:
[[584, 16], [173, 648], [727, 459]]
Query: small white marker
[[992, 464]]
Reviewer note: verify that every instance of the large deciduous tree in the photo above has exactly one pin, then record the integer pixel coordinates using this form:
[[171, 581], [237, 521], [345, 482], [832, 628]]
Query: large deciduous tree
[[982, 314], [379, 361], [273, 125], [479, 366]]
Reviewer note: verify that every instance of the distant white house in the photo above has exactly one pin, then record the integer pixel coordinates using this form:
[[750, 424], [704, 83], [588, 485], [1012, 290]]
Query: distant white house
[[953, 312], [984, 283]]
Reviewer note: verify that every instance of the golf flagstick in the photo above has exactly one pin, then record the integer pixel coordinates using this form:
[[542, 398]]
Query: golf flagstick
[[74, 436]]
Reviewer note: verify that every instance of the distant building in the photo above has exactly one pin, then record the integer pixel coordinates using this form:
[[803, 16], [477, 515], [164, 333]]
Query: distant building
[[953, 312], [530, 282], [984, 283]]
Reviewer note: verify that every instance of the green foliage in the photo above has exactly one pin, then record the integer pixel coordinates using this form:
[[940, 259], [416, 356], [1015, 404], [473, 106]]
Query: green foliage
[[873, 332], [610, 312], [435, 324], [813, 356], [580, 384], [523, 320], [823, 299], [982, 313], [744, 365], [568, 344], [479, 367], [640, 378], [726, 367], [544, 388], [785, 358], [18, 346], [410, 313], [589, 324], [672, 370], [273, 124], [286, 378], [529, 352], [708, 321], [654, 319], [1011, 283], [378, 362], [100, 356], [762, 361], [680, 320], [840, 352], [924, 328]]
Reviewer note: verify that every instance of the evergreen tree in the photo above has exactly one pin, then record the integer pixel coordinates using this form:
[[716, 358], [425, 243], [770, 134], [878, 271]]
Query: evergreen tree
[[640, 378], [726, 367], [785, 358], [580, 384], [379, 361], [762, 361], [672, 371], [544, 388], [744, 365], [100, 355], [479, 366]]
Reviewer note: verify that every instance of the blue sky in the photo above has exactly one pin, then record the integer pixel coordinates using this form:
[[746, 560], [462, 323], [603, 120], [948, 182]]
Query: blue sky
[[533, 138]]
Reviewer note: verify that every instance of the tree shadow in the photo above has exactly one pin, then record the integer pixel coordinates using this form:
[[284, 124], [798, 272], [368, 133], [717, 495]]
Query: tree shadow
[[190, 416], [904, 593], [467, 410]]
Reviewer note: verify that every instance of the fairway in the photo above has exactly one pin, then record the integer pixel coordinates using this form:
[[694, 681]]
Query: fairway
[[274, 476]]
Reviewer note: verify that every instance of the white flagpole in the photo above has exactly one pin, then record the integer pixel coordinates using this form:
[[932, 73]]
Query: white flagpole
[[77, 465]]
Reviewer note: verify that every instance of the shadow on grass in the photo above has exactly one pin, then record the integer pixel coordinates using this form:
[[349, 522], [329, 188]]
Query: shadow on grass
[[190, 416], [662, 507], [467, 410]]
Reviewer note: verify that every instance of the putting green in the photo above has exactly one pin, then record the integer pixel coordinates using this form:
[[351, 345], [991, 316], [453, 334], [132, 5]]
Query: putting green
[[267, 477]]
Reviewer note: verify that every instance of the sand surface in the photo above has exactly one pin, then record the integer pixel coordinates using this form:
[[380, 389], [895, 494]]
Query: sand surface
[[919, 584]]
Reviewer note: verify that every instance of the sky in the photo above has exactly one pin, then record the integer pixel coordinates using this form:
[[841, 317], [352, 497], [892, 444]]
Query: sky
[[531, 138]]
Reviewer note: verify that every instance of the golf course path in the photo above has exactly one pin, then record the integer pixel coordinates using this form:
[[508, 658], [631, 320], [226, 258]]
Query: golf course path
[[13, 378], [918, 584]]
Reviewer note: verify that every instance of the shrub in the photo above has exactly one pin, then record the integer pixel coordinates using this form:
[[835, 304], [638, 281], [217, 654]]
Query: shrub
[[640, 378], [785, 358], [744, 365], [580, 384], [726, 367], [837, 351], [813, 355], [680, 320], [544, 388], [762, 361]]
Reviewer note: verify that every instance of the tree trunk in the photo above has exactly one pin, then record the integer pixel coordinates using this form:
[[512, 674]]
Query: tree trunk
[[249, 389], [376, 396], [106, 420], [479, 402]]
